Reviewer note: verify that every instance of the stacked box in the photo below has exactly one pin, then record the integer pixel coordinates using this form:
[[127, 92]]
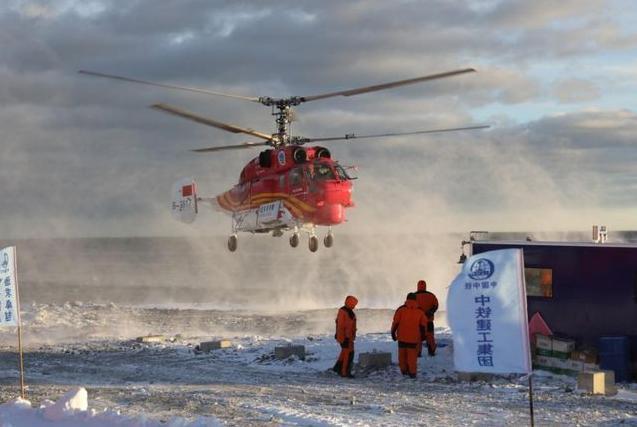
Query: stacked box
[[585, 356], [562, 348], [543, 345], [542, 362], [572, 365], [557, 365], [558, 355], [590, 366]]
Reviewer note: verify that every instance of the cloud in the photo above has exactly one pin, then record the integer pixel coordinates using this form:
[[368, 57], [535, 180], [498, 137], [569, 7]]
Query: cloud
[[576, 90], [85, 156]]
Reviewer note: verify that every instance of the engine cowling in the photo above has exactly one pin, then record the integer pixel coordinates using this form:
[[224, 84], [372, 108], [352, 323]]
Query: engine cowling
[[299, 155], [322, 152]]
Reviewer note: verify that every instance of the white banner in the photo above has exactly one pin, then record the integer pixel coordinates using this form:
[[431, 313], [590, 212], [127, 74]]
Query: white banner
[[8, 295], [487, 314]]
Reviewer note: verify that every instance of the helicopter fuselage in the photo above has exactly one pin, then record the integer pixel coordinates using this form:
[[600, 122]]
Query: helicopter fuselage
[[289, 187]]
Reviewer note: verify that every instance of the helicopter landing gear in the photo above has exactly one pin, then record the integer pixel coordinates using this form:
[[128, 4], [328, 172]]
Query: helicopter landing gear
[[294, 240], [328, 240], [277, 232], [232, 243], [313, 243]]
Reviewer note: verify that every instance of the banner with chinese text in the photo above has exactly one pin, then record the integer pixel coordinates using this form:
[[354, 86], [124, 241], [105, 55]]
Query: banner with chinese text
[[8, 301], [487, 314]]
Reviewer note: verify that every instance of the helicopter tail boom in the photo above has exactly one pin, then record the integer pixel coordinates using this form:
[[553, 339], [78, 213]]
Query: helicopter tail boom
[[184, 200]]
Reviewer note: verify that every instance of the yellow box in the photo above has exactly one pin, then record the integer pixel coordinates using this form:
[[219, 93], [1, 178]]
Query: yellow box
[[597, 382]]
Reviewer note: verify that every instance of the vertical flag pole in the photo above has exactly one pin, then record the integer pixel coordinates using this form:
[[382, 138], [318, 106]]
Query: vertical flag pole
[[531, 399], [17, 296]]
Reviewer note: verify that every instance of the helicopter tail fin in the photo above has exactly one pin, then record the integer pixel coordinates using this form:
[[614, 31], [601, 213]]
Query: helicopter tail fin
[[184, 200]]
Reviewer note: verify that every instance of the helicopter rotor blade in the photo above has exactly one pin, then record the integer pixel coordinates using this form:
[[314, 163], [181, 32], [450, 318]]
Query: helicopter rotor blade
[[381, 135], [210, 122], [230, 147], [168, 86], [389, 85]]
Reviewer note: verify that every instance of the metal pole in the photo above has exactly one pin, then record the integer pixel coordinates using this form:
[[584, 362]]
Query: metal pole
[[531, 399], [17, 298]]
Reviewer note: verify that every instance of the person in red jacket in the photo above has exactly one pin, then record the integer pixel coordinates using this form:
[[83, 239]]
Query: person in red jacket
[[428, 303], [408, 329], [345, 335]]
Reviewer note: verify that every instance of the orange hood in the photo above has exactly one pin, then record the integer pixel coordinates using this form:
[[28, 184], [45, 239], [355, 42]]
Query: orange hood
[[411, 303], [350, 302]]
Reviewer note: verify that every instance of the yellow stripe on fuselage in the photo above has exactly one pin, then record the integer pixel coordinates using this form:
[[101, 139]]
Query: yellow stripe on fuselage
[[284, 196], [297, 206]]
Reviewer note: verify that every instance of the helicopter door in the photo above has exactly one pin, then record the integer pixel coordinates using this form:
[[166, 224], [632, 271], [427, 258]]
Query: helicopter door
[[296, 181]]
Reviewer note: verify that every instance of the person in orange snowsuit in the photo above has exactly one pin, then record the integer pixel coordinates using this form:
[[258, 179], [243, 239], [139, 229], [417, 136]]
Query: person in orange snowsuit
[[409, 328], [345, 335], [428, 303]]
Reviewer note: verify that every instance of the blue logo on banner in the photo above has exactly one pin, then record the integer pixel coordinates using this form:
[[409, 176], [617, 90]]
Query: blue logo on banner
[[5, 263], [481, 269]]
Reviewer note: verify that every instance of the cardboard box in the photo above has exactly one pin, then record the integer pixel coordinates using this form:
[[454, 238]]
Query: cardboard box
[[590, 367], [609, 383], [597, 382], [208, 346], [475, 376], [585, 356], [288, 351], [543, 361], [544, 352], [562, 348], [573, 365], [557, 365], [151, 338], [374, 360], [560, 355], [543, 342], [569, 367], [562, 345], [591, 382]]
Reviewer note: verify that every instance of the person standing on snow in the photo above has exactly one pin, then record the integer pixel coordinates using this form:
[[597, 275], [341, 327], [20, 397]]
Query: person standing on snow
[[345, 335], [428, 303], [409, 328]]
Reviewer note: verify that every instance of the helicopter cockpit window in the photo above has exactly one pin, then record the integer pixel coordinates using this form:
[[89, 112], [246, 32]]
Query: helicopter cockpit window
[[295, 177], [341, 173], [323, 172]]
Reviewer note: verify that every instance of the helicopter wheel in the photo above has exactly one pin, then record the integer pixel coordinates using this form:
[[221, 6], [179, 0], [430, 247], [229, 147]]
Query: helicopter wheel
[[313, 243], [232, 243], [294, 240], [328, 241]]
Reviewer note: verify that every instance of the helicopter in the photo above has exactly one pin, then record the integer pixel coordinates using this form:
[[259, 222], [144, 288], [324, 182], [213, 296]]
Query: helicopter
[[288, 186]]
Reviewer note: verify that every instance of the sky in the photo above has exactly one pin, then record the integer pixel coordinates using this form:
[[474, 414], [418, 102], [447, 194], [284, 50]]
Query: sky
[[84, 156]]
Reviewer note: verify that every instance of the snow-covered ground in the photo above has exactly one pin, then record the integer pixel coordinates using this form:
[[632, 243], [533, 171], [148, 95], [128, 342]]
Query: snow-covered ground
[[170, 383]]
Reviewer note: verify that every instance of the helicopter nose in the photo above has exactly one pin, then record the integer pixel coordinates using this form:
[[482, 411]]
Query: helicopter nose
[[338, 192], [331, 214]]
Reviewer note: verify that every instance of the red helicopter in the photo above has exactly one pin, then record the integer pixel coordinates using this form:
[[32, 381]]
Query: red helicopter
[[287, 187]]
